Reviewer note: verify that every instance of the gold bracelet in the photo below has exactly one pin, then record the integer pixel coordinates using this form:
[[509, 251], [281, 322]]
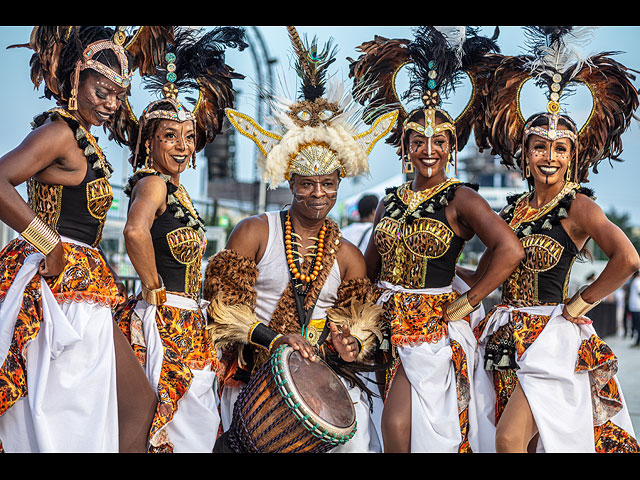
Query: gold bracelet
[[157, 296], [270, 348], [577, 307], [41, 236], [460, 308]]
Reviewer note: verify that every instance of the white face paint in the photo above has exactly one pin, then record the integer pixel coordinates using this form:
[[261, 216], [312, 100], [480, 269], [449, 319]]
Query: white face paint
[[429, 171]]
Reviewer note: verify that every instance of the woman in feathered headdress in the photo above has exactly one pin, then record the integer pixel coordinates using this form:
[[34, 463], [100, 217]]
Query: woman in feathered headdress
[[165, 236], [545, 366], [420, 230], [286, 277], [57, 289]]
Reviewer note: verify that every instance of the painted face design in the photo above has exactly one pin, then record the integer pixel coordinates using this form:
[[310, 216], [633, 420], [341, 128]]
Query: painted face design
[[429, 154], [548, 160], [172, 146], [315, 195], [98, 99]]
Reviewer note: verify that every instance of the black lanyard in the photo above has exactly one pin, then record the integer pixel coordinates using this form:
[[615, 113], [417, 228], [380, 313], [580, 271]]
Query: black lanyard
[[304, 315]]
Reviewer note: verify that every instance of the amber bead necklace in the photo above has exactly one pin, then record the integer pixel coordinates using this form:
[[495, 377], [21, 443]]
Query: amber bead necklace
[[289, 241]]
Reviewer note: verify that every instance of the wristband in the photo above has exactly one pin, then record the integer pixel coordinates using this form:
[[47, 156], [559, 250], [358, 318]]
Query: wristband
[[460, 308], [157, 296], [577, 307], [262, 336], [41, 236]]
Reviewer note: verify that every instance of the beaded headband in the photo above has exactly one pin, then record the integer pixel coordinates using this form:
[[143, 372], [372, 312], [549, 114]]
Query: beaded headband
[[122, 78]]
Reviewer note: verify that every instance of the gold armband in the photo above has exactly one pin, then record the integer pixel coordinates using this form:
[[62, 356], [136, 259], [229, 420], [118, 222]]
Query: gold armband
[[41, 236], [577, 307], [460, 308], [157, 296]]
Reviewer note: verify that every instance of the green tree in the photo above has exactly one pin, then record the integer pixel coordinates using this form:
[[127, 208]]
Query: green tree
[[622, 220]]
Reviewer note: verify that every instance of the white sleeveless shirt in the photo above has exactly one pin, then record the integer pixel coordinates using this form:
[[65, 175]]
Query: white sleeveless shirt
[[273, 276]]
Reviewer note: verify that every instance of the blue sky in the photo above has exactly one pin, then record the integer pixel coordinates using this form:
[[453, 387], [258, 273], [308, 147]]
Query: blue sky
[[614, 187]]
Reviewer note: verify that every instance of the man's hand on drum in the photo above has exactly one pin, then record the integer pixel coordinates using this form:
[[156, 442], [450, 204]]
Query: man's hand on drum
[[345, 344], [297, 342]]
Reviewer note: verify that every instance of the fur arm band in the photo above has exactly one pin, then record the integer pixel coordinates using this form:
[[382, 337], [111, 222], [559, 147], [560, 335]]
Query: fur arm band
[[229, 286]]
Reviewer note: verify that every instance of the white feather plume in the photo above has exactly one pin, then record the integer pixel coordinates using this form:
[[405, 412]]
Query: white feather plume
[[562, 55], [455, 37]]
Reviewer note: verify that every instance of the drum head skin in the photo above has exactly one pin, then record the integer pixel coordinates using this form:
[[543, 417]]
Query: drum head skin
[[321, 390]]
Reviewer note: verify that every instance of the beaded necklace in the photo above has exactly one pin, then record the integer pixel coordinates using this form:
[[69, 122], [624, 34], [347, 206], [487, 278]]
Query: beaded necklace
[[303, 280]]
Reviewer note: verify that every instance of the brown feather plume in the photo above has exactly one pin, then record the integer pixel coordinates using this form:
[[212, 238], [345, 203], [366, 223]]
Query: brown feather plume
[[374, 74], [615, 101], [46, 41], [501, 125], [148, 45]]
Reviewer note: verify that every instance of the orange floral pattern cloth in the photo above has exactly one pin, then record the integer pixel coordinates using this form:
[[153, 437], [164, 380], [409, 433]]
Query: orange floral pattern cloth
[[417, 318], [594, 356], [186, 346], [86, 278]]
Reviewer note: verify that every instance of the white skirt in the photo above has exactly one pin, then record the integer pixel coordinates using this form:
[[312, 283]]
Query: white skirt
[[71, 404], [560, 398], [435, 422]]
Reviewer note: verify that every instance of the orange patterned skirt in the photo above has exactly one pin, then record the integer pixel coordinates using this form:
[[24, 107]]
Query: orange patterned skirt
[[416, 318], [186, 346], [594, 356], [86, 278]]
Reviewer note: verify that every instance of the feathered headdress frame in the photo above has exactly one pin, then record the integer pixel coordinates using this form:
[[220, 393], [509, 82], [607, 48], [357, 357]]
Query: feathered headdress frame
[[193, 62], [320, 134], [62, 52], [555, 64], [437, 59]]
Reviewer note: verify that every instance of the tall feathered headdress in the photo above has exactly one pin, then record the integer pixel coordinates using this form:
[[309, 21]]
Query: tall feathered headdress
[[318, 135], [437, 59], [557, 65], [193, 62], [62, 52]]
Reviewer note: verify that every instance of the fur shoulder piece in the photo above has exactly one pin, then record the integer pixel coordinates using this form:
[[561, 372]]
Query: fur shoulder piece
[[231, 277]]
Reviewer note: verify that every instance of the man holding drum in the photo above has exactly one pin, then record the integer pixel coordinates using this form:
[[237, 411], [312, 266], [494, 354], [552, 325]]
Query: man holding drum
[[287, 278]]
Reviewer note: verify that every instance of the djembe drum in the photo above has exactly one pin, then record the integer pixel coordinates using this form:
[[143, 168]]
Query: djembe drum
[[292, 405]]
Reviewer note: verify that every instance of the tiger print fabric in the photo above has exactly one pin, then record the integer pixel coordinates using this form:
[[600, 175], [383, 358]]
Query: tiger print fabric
[[86, 277], [186, 346], [595, 357]]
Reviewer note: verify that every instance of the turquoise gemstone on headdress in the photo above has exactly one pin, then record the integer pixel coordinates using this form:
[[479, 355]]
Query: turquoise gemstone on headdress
[[431, 83], [170, 57], [431, 64], [171, 77]]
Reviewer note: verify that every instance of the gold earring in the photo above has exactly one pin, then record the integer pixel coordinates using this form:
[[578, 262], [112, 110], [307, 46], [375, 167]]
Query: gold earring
[[408, 166], [148, 161]]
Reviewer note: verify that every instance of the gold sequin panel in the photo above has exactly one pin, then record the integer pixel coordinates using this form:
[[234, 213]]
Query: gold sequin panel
[[542, 253], [187, 248], [45, 201], [99, 198], [406, 249]]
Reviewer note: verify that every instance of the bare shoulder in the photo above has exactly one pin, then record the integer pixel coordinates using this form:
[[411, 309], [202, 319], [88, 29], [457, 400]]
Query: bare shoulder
[[54, 138], [466, 193], [249, 236], [351, 260], [151, 188]]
